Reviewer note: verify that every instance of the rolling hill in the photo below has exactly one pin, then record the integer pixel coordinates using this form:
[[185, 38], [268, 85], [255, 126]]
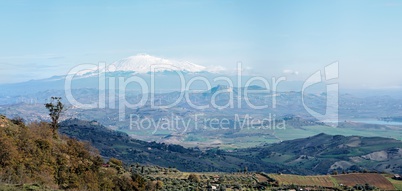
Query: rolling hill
[[319, 154]]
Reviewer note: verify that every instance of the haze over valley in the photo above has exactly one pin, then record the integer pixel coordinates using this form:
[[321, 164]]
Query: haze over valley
[[200, 95]]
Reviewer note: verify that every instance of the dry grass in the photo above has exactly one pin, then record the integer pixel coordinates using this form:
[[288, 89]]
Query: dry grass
[[287, 179], [351, 180], [373, 179], [261, 178]]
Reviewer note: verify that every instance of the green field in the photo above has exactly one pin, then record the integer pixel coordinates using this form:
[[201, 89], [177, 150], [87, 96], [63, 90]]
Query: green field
[[254, 137]]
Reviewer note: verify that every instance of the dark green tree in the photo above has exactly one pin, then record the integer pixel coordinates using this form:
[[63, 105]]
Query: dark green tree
[[55, 108], [18, 121]]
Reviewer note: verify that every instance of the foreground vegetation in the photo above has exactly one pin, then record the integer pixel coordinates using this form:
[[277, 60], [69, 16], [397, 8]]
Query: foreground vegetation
[[31, 157]]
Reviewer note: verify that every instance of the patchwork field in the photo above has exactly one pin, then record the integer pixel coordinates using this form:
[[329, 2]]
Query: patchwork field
[[383, 182], [397, 183], [287, 179], [376, 180]]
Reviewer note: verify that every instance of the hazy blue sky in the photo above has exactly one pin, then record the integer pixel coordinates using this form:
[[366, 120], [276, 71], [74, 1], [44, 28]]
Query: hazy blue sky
[[44, 38]]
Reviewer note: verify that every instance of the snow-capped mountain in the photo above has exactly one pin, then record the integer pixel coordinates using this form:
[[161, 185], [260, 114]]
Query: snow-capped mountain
[[144, 63], [140, 65]]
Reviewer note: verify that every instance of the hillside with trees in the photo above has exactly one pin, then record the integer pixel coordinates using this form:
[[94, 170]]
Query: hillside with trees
[[31, 157], [319, 154]]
